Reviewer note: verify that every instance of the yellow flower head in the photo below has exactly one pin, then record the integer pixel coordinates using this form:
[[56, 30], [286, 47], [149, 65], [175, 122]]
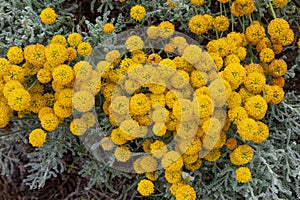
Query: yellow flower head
[[166, 29], [139, 104], [4, 66], [19, 99], [280, 3], [244, 7], [242, 155], [49, 122], [37, 137], [122, 153], [231, 143], [278, 94], [72, 53], [48, 16], [254, 33], [60, 39], [63, 74], [134, 43], [243, 174], [278, 27], [221, 23], [255, 82], [108, 28], [74, 39], [148, 163], [173, 176], [78, 127], [185, 192], [84, 49], [172, 161], [235, 74], [137, 12], [262, 133], [83, 101], [236, 114], [35, 54], [15, 55], [158, 149], [56, 53], [44, 75], [247, 128], [145, 187], [277, 68], [197, 2], [198, 24], [213, 155]]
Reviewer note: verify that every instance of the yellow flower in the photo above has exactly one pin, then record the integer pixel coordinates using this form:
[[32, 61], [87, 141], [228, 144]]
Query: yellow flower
[[198, 24], [158, 148], [43, 111], [14, 73], [262, 133], [152, 32], [37, 102], [60, 39], [197, 2], [166, 29], [19, 99], [145, 187], [152, 176], [134, 43], [277, 68], [235, 74], [48, 16], [122, 153], [193, 166], [243, 174], [139, 104], [118, 137], [137, 12], [83, 101], [65, 97], [256, 107], [74, 39], [159, 129], [244, 7], [242, 155], [37, 137], [278, 94], [247, 128], [56, 53], [213, 155], [278, 81], [185, 192], [108, 28], [280, 3], [15, 55], [192, 54], [63, 74], [224, 1], [84, 49], [35, 54], [221, 23], [72, 53], [231, 143], [44, 75], [255, 82], [49, 122], [236, 114], [173, 176], [278, 27], [172, 161], [4, 66], [78, 127], [139, 57], [148, 163], [234, 100], [106, 144], [62, 111], [254, 33], [113, 57]]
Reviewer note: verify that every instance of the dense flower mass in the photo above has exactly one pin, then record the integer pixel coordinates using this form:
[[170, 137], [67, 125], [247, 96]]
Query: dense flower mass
[[167, 106]]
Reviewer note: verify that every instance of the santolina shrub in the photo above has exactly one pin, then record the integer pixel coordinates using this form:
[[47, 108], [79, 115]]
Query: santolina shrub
[[175, 106]]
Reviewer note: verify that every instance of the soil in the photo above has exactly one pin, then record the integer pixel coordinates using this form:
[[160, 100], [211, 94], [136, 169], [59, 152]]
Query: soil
[[71, 185]]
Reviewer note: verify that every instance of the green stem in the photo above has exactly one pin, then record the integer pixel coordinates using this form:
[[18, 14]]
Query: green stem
[[232, 22], [19, 131], [272, 10], [250, 17], [217, 34], [221, 9], [33, 84]]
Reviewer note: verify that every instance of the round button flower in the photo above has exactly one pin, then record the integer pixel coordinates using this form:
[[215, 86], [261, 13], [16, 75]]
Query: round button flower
[[84, 49], [19, 99], [221, 23], [74, 39], [145, 187], [63, 74], [15, 55], [137, 12], [48, 16], [83, 101], [134, 43], [243, 174], [37, 137], [108, 28]]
